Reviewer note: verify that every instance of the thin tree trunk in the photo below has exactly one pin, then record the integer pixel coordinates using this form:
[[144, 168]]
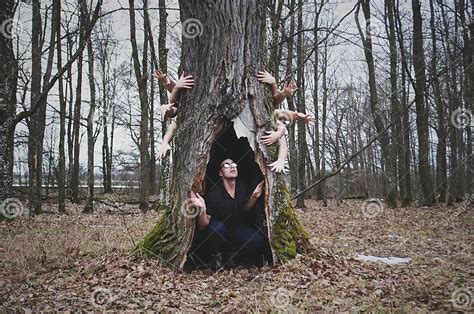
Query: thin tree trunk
[[293, 153], [316, 147], [386, 147], [142, 86], [89, 207], [323, 124], [397, 146], [468, 92], [62, 118], [441, 175], [302, 145], [34, 125], [164, 186], [421, 110], [75, 175]]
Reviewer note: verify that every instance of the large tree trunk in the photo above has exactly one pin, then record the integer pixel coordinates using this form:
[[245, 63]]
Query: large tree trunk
[[224, 59]]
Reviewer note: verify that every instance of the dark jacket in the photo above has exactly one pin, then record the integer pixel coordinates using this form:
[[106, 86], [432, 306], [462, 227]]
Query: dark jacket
[[221, 206]]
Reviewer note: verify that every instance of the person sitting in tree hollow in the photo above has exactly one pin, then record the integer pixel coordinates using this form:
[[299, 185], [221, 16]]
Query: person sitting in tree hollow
[[220, 221]]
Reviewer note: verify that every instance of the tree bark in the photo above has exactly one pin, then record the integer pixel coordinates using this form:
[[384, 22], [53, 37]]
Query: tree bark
[[224, 61], [35, 135], [75, 175], [293, 153], [142, 85], [386, 147], [302, 145], [441, 175], [89, 207], [421, 110], [163, 64], [62, 117], [8, 89]]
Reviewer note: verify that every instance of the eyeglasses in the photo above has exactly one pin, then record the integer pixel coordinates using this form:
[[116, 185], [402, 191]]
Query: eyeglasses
[[229, 165]]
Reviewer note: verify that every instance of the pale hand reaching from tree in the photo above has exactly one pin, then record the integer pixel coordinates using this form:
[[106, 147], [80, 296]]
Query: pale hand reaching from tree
[[278, 95], [279, 164], [306, 118], [163, 77], [165, 146], [289, 89], [168, 111], [273, 136], [294, 115], [184, 82], [265, 77]]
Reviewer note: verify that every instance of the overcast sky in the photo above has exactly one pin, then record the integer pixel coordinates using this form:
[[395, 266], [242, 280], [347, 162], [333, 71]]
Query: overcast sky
[[346, 60]]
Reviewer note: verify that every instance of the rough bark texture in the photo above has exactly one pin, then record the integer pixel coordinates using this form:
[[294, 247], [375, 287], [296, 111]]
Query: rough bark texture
[[224, 61], [421, 111], [8, 88], [141, 72], [37, 120], [387, 156], [302, 145], [163, 64]]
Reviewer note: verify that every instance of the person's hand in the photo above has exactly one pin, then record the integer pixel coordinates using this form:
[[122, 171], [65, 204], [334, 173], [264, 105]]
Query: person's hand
[[258, 190], [168, 111], [289, 89], [265, 77], [196, 200], [160, 75], [185, 82], [270, 138], [306, 118], [277, 166], [163, 150]]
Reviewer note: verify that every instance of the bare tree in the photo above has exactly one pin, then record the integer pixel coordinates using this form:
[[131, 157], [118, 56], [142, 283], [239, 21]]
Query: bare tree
[[141, 74], [225, 64]]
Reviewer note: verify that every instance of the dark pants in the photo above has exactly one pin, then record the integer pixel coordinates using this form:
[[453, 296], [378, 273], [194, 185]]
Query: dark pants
[[246, 243]]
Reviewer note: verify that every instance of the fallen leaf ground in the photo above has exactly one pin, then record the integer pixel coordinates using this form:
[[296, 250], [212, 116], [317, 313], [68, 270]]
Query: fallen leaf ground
[[81, 262]]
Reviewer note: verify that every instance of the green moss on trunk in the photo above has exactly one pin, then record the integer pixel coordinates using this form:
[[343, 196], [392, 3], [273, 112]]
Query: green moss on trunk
[[288, 235], [148, 246]]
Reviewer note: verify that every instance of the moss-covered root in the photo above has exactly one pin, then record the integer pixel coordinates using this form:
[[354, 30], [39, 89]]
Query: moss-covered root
[[289, 236], [148, 246]]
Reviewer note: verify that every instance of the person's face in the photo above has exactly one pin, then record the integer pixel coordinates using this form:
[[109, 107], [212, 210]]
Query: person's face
[[228, 169]]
